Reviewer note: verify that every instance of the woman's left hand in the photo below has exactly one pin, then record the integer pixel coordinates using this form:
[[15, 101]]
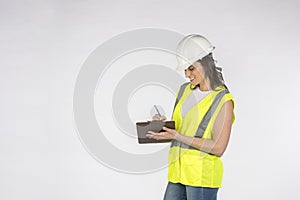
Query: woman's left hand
[[166, 135]]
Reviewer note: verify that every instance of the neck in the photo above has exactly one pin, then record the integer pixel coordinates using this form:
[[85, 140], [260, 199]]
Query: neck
[[205, 86]]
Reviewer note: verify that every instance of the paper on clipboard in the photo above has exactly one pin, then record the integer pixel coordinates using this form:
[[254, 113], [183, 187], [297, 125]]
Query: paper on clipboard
[[155, 126]]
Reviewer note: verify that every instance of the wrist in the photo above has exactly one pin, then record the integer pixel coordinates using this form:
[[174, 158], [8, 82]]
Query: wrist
[[177, 136]]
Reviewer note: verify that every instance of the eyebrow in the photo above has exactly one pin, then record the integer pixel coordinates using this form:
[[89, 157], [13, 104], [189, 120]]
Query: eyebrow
[[191, 67]]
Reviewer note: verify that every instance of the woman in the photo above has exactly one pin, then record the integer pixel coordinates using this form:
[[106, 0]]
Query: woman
[[203, 116]]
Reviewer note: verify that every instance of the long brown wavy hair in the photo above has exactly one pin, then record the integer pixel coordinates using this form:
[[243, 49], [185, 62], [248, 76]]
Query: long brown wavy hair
[[213, 72]]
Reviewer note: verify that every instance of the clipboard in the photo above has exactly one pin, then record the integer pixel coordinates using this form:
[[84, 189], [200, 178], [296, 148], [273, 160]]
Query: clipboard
[[155, 126]]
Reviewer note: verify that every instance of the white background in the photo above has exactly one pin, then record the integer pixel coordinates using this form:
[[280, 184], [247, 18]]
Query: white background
[[44, 43]]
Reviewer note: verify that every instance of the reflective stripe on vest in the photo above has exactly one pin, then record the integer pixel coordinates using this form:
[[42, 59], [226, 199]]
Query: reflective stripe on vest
[[180, 93]]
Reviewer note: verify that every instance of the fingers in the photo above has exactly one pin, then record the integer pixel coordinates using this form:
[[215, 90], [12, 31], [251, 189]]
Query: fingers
[[171, 132], [157, 136], [159, 117], [168, 134], [156, 117], [167, 129], [163, 117]]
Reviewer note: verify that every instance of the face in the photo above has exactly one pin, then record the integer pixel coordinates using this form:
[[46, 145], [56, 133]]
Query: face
[[195, 73]]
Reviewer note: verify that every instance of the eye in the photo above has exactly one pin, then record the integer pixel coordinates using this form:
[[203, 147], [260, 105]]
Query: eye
[[191, 68]]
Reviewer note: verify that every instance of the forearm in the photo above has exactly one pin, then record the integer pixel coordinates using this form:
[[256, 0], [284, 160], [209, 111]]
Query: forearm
[[206, 145]]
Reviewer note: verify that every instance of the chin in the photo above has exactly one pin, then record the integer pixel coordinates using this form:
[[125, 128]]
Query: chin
[[194, 84]]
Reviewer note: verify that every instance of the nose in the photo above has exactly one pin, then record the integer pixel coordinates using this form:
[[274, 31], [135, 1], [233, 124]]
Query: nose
[[187, 73]]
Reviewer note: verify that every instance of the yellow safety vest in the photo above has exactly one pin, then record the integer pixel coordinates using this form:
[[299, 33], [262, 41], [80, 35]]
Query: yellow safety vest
[[188, 165]]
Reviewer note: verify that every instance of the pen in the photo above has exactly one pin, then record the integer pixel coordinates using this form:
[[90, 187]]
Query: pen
[[157, 110]]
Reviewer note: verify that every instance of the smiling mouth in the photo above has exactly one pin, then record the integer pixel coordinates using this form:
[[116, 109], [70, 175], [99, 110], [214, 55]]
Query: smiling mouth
[[191, 79]]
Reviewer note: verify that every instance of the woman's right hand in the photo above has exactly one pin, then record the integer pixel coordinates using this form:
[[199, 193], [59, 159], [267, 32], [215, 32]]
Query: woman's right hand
[[159, 117]]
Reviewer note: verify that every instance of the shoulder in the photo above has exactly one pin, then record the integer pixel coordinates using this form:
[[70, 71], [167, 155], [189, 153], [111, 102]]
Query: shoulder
[[227, 101], [223, 91], [224, 96], [184, 85]]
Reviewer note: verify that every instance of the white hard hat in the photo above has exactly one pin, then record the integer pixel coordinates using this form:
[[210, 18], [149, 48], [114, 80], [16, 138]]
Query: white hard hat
[[192, 48]]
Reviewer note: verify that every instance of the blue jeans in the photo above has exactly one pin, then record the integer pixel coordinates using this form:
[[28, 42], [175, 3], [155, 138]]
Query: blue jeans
[[177, 191]]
